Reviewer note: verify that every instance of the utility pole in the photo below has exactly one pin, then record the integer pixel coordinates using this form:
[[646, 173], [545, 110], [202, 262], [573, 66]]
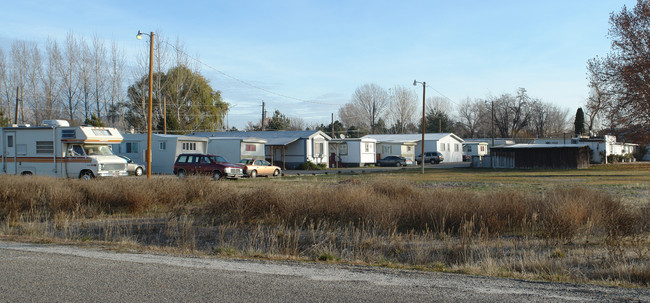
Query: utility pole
[[332, 125], [165, 115], [17, 100], [263, 114]]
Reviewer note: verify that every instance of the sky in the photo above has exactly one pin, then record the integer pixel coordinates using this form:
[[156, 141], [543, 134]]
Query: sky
[[306, 58]]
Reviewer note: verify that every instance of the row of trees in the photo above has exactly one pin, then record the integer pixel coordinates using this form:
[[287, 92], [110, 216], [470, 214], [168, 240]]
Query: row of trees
[[373, 109], [87, 83], [72, 80]]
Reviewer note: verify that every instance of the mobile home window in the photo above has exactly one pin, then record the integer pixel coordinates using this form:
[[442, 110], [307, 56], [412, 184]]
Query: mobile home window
[[44, 147], [10, 141], [189, 146], [163, 145], [343, 149], [131, 147], [251, 147], [318, 149], [386, 149], [455, 147], [368, 147]]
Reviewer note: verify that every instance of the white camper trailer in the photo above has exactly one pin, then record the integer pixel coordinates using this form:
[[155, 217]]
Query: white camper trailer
[[60, 150]]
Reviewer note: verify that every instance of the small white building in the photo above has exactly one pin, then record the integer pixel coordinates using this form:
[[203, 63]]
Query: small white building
[[475, 149], [450, 145], [235, 149], [164, 149], [352, 152]]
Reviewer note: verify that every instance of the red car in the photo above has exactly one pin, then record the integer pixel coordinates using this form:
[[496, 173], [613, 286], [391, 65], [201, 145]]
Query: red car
[[199, 164]]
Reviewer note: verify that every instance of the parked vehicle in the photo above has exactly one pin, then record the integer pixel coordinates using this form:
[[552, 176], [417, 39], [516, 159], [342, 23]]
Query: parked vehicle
[[60, 150], [133, 168], [431, 157], [200, 164], [392, 161], [253, 168]]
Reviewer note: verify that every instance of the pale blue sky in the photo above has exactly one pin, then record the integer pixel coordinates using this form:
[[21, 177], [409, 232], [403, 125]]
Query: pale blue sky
[[321, 51]]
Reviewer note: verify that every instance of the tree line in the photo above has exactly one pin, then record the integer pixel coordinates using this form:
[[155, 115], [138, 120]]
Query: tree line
[[88, 83]]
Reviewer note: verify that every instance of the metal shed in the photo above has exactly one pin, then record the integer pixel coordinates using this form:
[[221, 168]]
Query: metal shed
[[540, 156]]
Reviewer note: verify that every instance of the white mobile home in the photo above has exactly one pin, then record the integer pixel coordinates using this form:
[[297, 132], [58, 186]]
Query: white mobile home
[[60, 150], [448, 144], [164, 149], [288, 149], [352, 152], [235, 149], [475, 149], [400, 148]]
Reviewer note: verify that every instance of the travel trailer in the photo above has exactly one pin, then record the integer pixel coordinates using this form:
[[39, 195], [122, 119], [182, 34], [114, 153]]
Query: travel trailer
[[60, 150]]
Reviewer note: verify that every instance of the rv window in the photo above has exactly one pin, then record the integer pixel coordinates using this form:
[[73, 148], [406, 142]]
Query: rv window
[[21, 149], [77, 150], [67, 133], [44, 147], [101, 132], [10, 141]]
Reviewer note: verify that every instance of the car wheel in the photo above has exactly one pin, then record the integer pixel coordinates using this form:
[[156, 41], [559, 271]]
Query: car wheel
[[253, 174], [86, 175], [398, 164], [276, 173], [217, 175], [181, 174], [138, 171]]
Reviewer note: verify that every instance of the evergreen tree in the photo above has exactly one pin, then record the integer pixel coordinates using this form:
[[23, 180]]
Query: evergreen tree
[[94, 121], [4, 121], [579, 124]]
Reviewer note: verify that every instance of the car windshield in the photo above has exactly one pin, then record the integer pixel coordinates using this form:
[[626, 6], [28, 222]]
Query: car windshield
[[97, 150], [218, 159]]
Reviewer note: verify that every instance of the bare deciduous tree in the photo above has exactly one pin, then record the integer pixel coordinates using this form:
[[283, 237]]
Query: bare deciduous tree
[[403, 108], [371, 101], [68, 70], [470, 114]]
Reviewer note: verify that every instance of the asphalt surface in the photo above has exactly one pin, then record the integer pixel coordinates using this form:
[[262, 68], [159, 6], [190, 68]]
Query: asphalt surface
[[53, 273]]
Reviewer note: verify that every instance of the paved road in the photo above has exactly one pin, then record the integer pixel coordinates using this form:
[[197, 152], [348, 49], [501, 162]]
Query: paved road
[[52, 273]]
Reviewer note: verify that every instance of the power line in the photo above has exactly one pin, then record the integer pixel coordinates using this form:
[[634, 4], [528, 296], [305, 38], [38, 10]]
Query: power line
[[245, 82]]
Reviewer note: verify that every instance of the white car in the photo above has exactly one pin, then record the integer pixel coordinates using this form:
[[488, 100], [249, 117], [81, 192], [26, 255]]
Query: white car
[[132, 167]]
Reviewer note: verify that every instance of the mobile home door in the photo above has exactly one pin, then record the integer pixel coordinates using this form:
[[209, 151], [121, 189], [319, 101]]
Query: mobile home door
[[9, 155]]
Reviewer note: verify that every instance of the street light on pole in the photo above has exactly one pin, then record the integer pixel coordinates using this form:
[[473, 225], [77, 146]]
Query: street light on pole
[[424, 86], [148, 153]]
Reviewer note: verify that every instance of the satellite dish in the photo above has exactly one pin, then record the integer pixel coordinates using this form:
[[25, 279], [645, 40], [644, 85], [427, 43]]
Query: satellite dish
[[342, 136]]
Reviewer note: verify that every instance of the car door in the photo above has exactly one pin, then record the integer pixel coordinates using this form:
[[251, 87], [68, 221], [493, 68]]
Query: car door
[[262, 167]]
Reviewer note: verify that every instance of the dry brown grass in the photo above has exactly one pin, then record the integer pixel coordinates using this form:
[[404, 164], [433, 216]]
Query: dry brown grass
[[556, 233]]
